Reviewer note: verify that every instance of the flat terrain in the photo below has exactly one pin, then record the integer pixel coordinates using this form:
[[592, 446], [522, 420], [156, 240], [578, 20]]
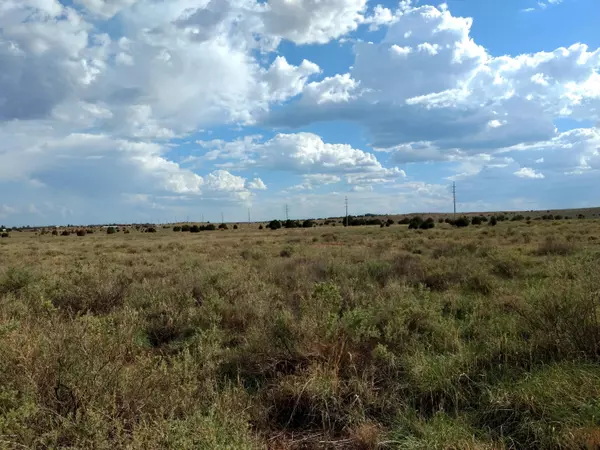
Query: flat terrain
[[484, 337]]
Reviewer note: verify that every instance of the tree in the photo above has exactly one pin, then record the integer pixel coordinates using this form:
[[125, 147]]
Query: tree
[[493, 221]]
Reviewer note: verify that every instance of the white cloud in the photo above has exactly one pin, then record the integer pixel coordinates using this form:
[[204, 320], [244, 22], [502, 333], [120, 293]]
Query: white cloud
[[313, 21], [526, 172], [427, 80], [256, 184], [105, 8]]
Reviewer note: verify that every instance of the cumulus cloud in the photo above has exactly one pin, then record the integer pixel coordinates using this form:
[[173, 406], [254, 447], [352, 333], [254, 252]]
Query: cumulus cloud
[[527, 172], [428, 80], [303, 153], [313, 21], [256, 184]]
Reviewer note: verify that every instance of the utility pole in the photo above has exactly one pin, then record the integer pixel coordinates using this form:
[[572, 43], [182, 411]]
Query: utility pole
[[287, 212], [454, 197], [222, 218], [249, 216], [346, 201]]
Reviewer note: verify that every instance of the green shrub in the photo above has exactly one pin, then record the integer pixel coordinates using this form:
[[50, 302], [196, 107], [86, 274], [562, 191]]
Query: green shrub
[[194, 229], [462, 222], [5, 235], [185, 228], [308, 224], [274, 225], [223, 226], [235, 227], [415, 223], [81, 232], [111, 230], [493, 221], [260, 227], [210, 227], [476, 220], [65, 233], [176, 228], [151, 230]]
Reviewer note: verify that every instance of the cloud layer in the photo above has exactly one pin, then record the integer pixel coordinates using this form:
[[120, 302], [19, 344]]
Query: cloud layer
[[120, 100]]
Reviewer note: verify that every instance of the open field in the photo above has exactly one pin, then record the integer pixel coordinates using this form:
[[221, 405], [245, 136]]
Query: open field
[[358, 338]]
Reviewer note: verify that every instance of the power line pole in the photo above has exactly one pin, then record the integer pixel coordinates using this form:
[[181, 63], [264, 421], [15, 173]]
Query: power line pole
[[249, 215], [287, 212], [454, 197], [222, 218], [346, 201]]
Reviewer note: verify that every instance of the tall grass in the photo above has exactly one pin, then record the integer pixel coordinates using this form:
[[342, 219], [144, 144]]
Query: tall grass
[[359, 339]]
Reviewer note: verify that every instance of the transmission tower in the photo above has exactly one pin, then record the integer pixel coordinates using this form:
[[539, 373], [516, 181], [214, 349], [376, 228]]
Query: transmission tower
[[454, 197], [346, 201]]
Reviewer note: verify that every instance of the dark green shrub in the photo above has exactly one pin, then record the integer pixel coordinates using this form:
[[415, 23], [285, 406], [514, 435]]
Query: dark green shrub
[[194, 229], [223, 226], [176, 228], [415, 223], [151, 230], [235, 227], [404, 221], [260, 227], [462, 222], [210, 227], [81, 232], [427, 225], [54, 233], [110, 230], [186, 228], [308, 223], [493, 221], [5, 235], [65, 233], [476, 220], [274, 225]]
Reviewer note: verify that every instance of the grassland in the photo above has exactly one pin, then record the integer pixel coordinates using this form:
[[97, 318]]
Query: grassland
[[358, 338]]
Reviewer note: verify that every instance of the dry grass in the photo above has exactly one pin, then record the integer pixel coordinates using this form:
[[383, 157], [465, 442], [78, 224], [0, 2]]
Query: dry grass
[[362, 338]]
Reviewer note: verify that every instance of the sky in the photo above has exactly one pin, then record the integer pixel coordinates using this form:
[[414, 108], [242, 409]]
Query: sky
[[171, 110]]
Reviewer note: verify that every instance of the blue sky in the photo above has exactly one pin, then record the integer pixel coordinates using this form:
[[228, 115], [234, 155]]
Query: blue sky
[[155, 110]]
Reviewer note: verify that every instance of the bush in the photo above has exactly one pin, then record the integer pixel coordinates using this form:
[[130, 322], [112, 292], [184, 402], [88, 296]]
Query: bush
[[493, 221], [81, 232], [177, 228], [415, 223], [151, 230], [404, 221], [110, 230], [65, 233], [90, 231], [427, 225], [194, 229], [210, 227], [54, 233], [223, 226], [260, 227], [5, 235], [186, 228], [308, 224], [235, 227], [462, 222], [274, 225], [389, 222], [476, 220]]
